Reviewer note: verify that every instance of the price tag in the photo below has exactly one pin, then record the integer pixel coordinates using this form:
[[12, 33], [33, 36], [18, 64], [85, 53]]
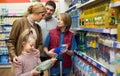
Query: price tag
[[89, 60], [118, 45], [85, 57], [94, 63], [106, 31], [103, 69]]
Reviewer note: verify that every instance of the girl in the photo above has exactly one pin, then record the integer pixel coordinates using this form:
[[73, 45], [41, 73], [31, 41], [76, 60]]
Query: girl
[[57, 37], [27, 57]]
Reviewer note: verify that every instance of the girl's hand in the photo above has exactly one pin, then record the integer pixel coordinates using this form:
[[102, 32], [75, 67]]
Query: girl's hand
[[34, 72], [51, 53], [37, 53], [16, 62], [53, 60]]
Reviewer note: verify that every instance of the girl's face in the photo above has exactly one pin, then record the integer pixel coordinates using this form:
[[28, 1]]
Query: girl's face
[[29, 45], [60, 22]]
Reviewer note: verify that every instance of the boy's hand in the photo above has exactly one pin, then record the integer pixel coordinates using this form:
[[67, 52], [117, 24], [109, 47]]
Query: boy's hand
[[51, 53]]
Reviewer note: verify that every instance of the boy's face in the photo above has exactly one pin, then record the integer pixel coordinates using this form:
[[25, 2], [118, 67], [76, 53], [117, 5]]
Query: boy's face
[[29, 45], [50, 11], [60, 22]]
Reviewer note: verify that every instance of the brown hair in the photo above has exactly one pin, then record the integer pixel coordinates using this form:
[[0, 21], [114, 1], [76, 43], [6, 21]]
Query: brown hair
[[24, 37], [35, 8], [66, 19]]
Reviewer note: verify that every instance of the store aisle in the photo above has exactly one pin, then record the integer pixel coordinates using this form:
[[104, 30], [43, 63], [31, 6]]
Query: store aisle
[[46, 73]]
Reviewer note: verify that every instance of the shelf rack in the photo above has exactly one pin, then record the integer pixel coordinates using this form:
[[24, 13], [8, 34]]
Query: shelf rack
[[95, 63], [115, 4]]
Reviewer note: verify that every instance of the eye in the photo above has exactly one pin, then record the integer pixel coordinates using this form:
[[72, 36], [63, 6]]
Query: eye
[[50, 9]]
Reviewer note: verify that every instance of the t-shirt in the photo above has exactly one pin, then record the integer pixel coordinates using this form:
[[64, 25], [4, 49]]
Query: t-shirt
[[46, 26]]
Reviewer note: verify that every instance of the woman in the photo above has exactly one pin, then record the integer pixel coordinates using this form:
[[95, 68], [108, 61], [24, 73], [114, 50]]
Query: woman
[[34, 14]]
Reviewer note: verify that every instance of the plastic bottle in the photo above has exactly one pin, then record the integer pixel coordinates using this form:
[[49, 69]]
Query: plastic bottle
[[117, 63], [44, 65]]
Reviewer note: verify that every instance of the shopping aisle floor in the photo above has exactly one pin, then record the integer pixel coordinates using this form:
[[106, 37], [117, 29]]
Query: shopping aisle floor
[[46, 73]]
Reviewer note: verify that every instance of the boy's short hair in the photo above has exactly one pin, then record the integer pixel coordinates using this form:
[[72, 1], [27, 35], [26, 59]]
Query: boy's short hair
[[51, 3]]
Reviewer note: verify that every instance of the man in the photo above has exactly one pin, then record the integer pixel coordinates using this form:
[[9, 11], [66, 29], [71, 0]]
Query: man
[[48, 23]]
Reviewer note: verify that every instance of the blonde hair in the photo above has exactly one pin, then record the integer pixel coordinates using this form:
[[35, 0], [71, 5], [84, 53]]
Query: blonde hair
[[66, 19], [24, 37], [35, 8]]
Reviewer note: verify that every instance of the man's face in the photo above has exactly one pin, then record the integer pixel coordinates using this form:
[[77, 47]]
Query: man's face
[[50, 11]]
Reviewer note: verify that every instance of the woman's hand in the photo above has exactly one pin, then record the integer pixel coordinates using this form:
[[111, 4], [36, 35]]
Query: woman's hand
[[16, 62]]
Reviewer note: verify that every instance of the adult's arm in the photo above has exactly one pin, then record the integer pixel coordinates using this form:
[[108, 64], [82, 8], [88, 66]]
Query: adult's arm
[[46, 45], [39, 39], [13, 38]]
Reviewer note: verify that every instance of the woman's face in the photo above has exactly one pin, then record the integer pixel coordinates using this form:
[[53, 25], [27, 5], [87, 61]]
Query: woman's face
[[60, 22], [38, 17]]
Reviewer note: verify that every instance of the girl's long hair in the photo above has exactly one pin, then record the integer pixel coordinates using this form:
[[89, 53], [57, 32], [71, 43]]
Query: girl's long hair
[[24, 37]]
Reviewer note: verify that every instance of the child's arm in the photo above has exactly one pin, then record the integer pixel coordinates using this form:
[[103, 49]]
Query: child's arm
[[46, 64], [18, 71]]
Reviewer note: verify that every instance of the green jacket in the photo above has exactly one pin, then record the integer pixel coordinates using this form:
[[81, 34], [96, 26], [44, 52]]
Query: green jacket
[[18, 27]]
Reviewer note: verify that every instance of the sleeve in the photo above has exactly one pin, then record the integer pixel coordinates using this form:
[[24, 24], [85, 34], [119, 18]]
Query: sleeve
[[47, 40], [74, 44], [39, 42], [13, 38], [18, 71]]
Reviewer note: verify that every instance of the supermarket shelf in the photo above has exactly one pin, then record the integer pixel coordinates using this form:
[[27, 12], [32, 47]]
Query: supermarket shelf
[[110, 43], [95, 63], [72, 8], [100, 30], [14, 16], [107, 42], [5, 65], [5, 25], [115, 4], [3, 39], [4, 31], [88, 3], [75, 16], [116, 44]]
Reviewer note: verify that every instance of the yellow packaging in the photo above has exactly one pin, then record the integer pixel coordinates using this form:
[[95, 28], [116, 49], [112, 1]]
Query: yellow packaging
[[118, 32]]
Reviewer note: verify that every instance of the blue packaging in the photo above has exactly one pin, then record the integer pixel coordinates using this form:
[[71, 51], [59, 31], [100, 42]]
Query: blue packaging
[[4, 59], [61, 48]]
